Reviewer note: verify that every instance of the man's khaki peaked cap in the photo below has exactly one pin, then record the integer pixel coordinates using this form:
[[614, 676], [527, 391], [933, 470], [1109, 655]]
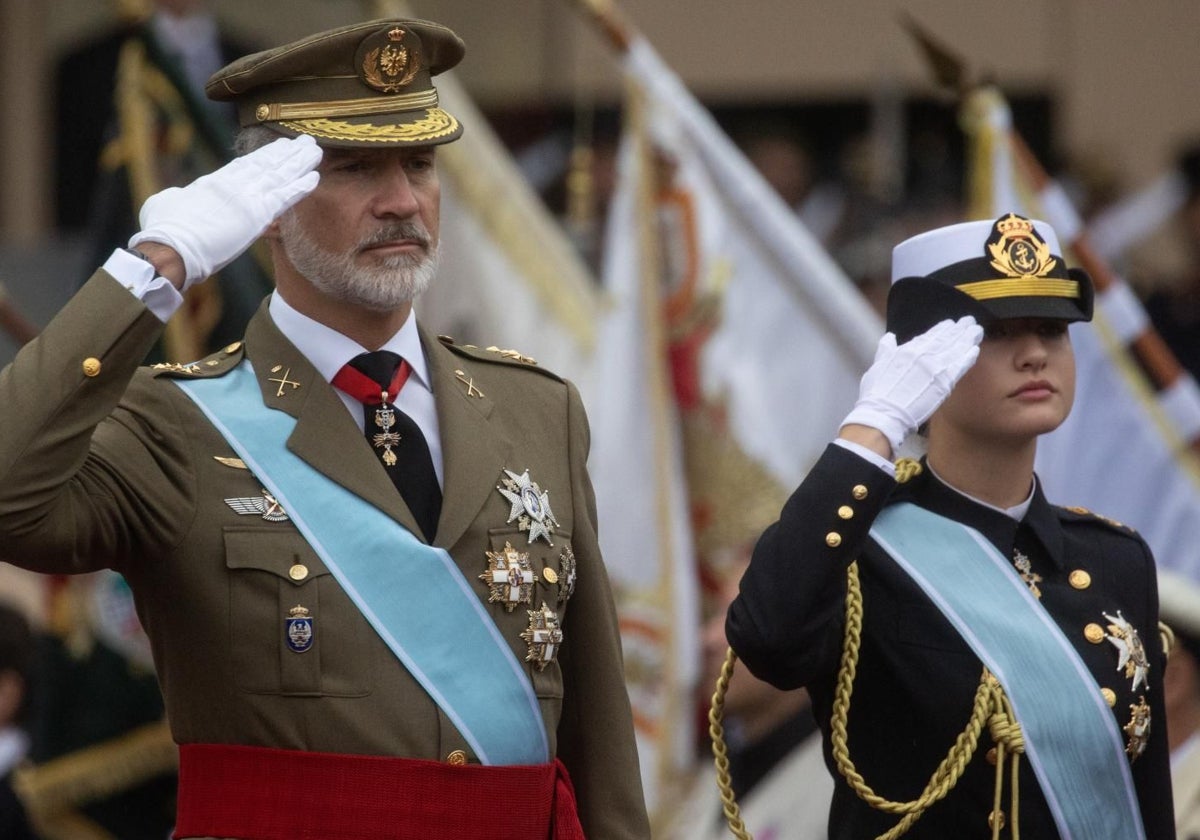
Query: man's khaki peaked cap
[[364, 85]]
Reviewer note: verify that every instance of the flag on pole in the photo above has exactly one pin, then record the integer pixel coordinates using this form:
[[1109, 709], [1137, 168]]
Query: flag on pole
[[507, 274], [1125, 450], [732, 350]]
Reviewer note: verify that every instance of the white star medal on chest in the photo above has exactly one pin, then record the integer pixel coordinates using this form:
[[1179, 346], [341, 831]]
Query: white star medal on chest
[[530, 506], [543, 636], [509, 577], [1131, 653]]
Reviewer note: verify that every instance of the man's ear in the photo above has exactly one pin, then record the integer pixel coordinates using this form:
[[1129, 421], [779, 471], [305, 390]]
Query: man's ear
[[272, 231]]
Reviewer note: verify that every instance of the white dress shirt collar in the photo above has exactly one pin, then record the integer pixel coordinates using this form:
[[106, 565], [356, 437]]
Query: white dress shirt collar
[[329, 350], [1016, 512]]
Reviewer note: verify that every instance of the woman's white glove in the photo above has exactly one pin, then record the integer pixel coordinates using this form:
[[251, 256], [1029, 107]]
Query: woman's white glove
[[216, 217], [906, 383]]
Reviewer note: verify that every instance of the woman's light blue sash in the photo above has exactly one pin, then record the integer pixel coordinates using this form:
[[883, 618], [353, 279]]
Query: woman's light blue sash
[[413, 594], [1071, 737]]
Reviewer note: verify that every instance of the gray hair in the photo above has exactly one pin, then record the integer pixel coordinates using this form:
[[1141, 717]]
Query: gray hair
[[253, 137]]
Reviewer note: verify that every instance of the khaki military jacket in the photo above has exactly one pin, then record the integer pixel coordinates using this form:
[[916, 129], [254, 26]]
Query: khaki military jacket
[[105, 464]]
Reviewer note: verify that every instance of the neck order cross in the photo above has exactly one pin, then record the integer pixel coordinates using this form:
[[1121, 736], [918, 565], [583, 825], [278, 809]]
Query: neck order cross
[[375, 380]]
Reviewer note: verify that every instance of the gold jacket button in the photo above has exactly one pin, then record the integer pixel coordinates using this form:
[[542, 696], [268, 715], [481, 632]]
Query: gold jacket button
[[1080, 579], [833, 539], [457, 758], [1094, 633], [550, 575], [846, 512], [91, 366], [1110, 696], [996, 820], [859, 492], [991, 756], [298, 572]]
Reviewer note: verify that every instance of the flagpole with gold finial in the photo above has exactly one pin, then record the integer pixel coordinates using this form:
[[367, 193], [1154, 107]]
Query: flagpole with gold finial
[[620, 34], [1147, 348]]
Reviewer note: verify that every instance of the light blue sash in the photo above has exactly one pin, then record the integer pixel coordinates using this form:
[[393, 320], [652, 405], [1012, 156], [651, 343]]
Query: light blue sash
[[1071, 738], [413, 594]]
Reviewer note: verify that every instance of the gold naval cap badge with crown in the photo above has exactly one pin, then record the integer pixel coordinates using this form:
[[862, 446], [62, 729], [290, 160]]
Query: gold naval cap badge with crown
[[1003, 268], [1017, 250]]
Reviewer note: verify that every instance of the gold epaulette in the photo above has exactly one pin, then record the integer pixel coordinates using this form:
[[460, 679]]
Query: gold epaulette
[[215, 364], [907, 469]]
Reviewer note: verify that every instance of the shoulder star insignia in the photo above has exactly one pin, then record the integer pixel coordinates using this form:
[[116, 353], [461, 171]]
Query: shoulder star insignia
[[178, 367], [515, 355]]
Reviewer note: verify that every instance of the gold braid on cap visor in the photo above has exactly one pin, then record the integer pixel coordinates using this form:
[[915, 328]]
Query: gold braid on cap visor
[[1020, 287], [437, 123]]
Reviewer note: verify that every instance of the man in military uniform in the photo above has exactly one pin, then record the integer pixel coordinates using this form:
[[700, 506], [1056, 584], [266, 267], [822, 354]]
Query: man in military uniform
[[366, 557], [980, 661]]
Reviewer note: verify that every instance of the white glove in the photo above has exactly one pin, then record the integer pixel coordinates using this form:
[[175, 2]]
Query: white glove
[[906, 383], [213, 219]]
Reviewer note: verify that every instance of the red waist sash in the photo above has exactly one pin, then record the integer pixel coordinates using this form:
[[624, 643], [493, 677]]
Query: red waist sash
[[257, 793]]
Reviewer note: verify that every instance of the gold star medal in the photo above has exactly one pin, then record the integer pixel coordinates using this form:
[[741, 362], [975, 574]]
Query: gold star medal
[[509, 577], [567, 578], [530, 506], [543, 636], [1131, 654], [1138, 729]]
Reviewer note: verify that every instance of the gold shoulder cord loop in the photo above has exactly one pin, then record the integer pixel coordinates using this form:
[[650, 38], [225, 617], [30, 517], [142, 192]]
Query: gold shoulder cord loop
[[720, 755], [1167, 635], [991, 708]]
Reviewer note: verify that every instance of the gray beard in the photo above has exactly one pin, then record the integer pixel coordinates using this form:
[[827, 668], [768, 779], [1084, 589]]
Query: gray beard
[[383, 288]]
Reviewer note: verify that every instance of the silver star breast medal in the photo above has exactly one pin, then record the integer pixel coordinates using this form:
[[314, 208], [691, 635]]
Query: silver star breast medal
[[1131, 654], [530, 506]]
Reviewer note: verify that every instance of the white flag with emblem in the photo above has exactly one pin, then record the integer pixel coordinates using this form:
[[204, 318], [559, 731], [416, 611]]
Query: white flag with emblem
[[733, 350], [507, 274]]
